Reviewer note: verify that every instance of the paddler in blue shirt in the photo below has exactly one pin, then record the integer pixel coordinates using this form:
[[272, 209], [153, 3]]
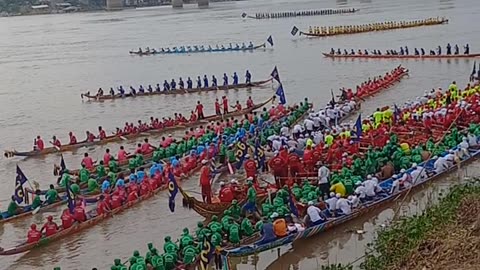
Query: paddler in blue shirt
[[209, 48], [248, 77], [150, 89], [237, 46], [167, 50], [243, 45], [189, 83], [166, 86], [235, 78], [223, 48], [199, 82], [467, 49], [133, 91], [141, 89], [214, 81], [173, 84], [449, 49], [121, 90], [417, 52], [439, 50], [225, 79], [230, 46], [205, 81], [112, 92], [250, 45], [180, 83], [202, 48], [457, 50], [406, 50], [401, 51], [158, 88]]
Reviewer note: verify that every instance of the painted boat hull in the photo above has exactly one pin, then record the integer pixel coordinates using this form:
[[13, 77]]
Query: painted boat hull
[[115, 138], [258, 247], [458, 56], [204, 51]]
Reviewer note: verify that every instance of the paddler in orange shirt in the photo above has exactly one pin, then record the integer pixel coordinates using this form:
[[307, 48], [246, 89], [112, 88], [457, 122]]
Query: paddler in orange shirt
[[33, 234], [73, 139], [50, 227]]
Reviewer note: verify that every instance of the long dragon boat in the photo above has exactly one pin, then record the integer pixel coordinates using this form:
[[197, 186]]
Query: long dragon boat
[[257, 245], [212, 50], [61, 234], [373, 56], [183, 91], [372, 27], [299, 13], [117, 138], [207, 210]]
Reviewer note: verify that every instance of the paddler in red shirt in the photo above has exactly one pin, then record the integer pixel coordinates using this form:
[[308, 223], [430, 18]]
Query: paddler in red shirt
[[122, 155], [107, 157], [67, 219], [238, 106], [102, 206], [55, 141], [90, 137], [199, 110], [38, 144], [193, 117], [79, 212], [33, 234], [250, 168], [147, 147], [50, 227], [101, 133], [217, 107], [249, 102], [132, 195], [116, 200], [205, 182], [225, 104], [88, 162], [225, 194], [73, 139]]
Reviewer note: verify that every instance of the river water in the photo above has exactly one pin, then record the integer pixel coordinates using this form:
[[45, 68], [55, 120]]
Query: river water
[[47, 61]]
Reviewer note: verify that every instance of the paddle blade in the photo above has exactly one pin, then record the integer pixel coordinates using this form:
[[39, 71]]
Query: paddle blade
[[36, 210]]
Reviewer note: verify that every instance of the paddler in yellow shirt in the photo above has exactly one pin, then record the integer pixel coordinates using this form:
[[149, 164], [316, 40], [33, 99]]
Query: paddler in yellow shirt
[[328, 139], [388, 115], [366, 126], [378, 117], [453, 88]]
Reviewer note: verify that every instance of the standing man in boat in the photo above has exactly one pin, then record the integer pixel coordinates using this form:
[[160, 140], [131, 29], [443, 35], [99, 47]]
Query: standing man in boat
[[449, 49], [205, 182], [225, 79], [199, 82], [248, 77], [235, 78], [38, 144], [189, 83], [199, 110], [205, 81], [225, 104], [181, 84], [217, 107]]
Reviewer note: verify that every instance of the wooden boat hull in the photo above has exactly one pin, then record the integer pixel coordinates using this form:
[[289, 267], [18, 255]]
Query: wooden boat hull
[[452, 56], [81, 226], [177, 91], [204, 51], [371, 30], [115, 138], [258, 247]]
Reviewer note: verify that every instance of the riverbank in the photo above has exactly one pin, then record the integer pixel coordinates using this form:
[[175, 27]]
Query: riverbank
[[445, 236]]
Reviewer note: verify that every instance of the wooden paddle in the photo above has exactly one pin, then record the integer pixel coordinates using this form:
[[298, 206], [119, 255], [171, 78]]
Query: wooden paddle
[[56, 147]]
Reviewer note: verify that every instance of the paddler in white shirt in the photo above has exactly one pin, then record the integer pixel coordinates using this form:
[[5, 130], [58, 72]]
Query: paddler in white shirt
[[440, 164]]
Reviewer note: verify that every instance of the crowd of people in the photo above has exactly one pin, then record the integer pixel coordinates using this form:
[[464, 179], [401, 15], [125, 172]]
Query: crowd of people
[[405, 51], [201, 83], [196, 48], [349, 29], [287, 14], [221, 108]]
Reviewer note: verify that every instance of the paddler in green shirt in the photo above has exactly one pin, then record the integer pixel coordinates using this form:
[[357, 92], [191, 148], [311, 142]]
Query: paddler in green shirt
[[37, 201], [235, 211], [185, 238], [113, 166], [84, 174], [231, 154], [246, 227], [52, 195], [222, 153], [118, 264], [13, 208], [189, 253], [101, 172], [251, 205], [92, 185], [170, 247]]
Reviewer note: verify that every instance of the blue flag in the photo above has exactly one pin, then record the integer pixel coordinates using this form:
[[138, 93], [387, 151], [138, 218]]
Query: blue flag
[[206, 255], [172, 191], [291, 203], [281, 94], [62, 165], [294, 31], [270, 40], [275, 74], [242, 150], [20, 179], [396, 113], [244, 15], [474, 71], [70, 201], [358, 127]]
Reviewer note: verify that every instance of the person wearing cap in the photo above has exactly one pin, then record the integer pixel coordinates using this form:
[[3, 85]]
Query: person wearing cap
[[251, 205], [343, 206], [338, 188], [332, 203], [360, 191], [205, 182], [33, 235], [315, 214], [50, 227], [280, 228], [440, 165]]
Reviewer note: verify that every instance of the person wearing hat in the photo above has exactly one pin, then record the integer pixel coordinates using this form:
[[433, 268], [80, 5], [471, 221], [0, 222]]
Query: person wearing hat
[[50, 227], [33, 235], [280, 228], [225, 194], [205, 182], [315, 214], [251, 205]]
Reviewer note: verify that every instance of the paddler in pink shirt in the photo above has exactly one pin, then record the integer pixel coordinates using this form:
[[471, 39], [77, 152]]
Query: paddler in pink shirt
[[107, 157], [169, 140], [88, 162], [122, 155], [147, 147]]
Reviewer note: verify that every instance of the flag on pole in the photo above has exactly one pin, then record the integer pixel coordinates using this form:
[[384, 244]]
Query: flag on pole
[[206, 254], [244, 15], [275, 74], [172, 191], [281, 94], [20, 179], [474, 71], [259, 155], [332, 102], [291, 203], [63, 166], [270, 40], [242, 150], [70, 201], [294, 31], [396, 113], [358, 127]]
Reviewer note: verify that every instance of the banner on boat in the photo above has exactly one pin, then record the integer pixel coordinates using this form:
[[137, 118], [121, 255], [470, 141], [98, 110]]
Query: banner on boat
[[172, 190], [20, 179]]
